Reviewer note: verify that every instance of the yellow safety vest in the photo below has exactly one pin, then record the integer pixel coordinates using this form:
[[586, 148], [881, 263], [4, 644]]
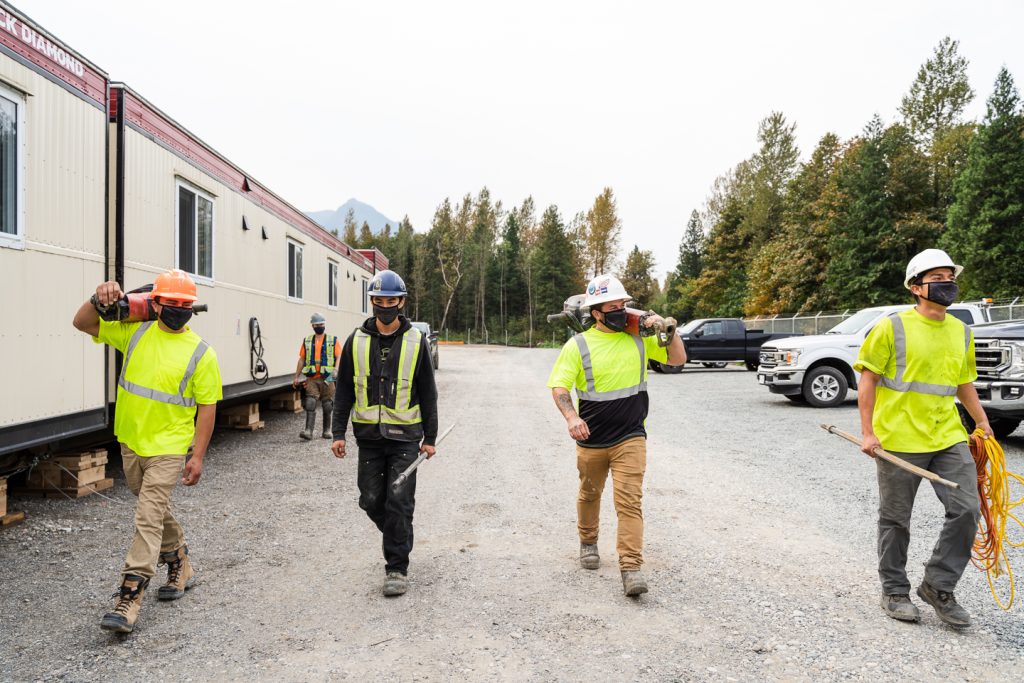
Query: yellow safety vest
[[178, 399], [393, 408]]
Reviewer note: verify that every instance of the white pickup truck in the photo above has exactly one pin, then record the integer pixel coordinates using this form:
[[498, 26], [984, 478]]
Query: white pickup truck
[[818, 369]]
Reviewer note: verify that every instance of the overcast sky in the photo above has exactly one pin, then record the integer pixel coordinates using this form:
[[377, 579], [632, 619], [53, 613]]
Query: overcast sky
[[401, 104]]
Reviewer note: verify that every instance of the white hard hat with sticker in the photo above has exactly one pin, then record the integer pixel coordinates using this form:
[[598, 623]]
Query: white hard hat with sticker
[[605, 288]]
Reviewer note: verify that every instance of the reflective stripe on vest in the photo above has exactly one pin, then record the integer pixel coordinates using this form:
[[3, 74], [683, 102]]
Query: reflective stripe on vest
[[178, 399], [310, 368], [401, 412], [899, 338], [592, 394]]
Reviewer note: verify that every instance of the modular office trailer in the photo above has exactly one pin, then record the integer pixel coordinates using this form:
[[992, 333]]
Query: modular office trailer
[[97, 183]]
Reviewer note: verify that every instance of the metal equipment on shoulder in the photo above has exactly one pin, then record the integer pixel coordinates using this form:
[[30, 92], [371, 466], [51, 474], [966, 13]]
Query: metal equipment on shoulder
[[577, 317], [135, 306], [404, 476]]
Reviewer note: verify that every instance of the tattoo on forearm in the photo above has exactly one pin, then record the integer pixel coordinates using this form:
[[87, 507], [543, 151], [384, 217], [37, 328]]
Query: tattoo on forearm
[[565, 405]]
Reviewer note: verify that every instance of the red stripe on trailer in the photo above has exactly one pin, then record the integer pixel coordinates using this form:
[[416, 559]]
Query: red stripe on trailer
[[49, 54], [145, 117]]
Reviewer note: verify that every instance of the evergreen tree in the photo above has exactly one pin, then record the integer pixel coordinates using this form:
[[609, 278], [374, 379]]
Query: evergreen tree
[[366, 239], [349, 232], [637, 277], [553, 281], [986, 221], [939, 93], [679, 283]]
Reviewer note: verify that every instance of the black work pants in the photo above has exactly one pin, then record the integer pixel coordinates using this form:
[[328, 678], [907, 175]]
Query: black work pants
[[380, 463]]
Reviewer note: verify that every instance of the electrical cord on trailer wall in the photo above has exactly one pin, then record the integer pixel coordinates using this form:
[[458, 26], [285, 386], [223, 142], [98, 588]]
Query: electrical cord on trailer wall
[[258, 369]]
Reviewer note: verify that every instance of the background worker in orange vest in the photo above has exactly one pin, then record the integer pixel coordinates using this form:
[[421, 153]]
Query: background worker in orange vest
[[168, 375], [318, 358]]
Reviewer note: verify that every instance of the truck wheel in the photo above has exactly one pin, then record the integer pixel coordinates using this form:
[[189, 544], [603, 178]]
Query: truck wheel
[[656, 366], [1002, 427], [751, 366], [825, 387], [437, 360], [715, 364], [671, 369]]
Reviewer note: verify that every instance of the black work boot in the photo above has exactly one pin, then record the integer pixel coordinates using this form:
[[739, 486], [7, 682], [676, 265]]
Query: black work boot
[[180, 574], [129, 602], [899, 606], [946, 606], [307, 433], [328, 408]]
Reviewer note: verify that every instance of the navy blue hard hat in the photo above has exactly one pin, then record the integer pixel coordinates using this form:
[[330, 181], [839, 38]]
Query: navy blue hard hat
[[387, 283]]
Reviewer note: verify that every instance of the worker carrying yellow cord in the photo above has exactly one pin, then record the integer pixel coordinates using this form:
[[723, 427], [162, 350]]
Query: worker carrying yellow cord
[[318, 358], [913, 365], [168, 374], [608, 369]]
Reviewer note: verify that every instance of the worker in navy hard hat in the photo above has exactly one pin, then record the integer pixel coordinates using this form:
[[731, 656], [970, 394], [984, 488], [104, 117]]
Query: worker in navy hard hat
[[318, 359], [914, 365], [389, 391]]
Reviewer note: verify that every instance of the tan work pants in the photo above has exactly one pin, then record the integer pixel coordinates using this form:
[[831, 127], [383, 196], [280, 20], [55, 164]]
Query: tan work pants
[[156, 531], [627, 462]]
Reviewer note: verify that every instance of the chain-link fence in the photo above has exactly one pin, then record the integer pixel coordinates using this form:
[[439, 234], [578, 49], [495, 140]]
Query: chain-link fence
[[823, 321]]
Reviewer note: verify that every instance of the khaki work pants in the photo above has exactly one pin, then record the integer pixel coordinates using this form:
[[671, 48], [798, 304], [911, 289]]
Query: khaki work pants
[[627, 462], [156, 530], [319, 389]]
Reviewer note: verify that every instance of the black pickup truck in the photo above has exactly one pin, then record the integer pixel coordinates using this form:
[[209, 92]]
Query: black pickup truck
[[999, 350], [714, 342]]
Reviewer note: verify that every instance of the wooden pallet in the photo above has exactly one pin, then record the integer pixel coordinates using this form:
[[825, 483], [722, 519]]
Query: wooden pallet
[[245, 416], [69, 470], [61, 492], [250, 427], [3, 497], [290, 401], [11, 518]]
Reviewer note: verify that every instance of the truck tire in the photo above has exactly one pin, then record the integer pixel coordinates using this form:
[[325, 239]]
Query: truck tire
[[656, 366], [671, 369], [715, 364], [1002, 427], [751, 366], [825, 387]]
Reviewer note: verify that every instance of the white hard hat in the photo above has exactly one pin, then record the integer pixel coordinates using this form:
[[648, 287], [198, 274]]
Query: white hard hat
[[605, 288], [929, 259]]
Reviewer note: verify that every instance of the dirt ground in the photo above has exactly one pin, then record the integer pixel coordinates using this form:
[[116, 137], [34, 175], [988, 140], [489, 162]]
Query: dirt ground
[[760, 553]]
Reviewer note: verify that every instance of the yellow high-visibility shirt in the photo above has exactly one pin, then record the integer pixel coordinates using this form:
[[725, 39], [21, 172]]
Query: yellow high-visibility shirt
[[938, 355], [159, 360]]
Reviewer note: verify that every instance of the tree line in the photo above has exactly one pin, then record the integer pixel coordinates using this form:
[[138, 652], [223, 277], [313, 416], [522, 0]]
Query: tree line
[[777, 233], [836, 230]]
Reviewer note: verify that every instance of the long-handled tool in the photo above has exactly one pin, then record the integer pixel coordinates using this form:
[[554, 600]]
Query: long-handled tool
[[889, 457], [576, 315], [404, 476]]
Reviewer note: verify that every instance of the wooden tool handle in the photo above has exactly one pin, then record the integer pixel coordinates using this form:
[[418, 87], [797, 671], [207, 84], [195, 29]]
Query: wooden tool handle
[[889, 457]]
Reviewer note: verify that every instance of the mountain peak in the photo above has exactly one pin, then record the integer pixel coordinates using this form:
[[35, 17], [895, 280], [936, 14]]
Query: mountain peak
[[363, 212]]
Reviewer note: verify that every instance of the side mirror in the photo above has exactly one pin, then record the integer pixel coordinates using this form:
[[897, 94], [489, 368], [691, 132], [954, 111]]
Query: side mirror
[[432, 336], [698, 333]]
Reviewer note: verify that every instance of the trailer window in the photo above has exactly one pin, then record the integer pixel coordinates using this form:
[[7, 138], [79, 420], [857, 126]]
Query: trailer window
[[12, 107], [294, 271], [195, 231], [332, 284]]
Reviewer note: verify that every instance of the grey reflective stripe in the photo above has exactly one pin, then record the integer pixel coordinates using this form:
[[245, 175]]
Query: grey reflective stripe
[[899, 338], [591, 394], [178, 399]]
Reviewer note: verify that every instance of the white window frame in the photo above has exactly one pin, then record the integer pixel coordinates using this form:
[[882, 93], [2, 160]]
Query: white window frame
[[299, 246], [333, 268], [17, 239], [181, 183]]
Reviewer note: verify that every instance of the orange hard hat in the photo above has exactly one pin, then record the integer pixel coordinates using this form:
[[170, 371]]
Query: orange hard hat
[[175, 284]]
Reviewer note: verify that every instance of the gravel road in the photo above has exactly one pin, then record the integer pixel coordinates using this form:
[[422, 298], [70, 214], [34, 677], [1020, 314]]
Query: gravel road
[[760, 546]]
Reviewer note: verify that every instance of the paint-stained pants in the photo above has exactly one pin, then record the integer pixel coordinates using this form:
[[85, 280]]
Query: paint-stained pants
[[627, 462], [152, 479], [380, 463], [896, 492]]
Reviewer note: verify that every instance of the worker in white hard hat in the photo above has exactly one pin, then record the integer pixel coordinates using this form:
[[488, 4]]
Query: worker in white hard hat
[[608, 369], [913, 366], [318, 358]]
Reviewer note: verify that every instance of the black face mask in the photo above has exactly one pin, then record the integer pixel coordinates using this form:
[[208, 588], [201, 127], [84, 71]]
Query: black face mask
[[175, 317], [385, 314], [941, 293], [615, 320], [319, 329]]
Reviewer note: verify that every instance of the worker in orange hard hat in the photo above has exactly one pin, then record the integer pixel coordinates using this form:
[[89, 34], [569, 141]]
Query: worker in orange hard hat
[[168, 375]]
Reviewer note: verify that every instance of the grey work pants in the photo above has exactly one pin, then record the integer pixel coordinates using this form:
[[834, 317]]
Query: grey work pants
[[896, 492]]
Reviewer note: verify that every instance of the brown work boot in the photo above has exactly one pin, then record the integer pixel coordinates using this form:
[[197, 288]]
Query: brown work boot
[[129, 602], [180, 574], [589, 559], [633, 582], [946, 606]]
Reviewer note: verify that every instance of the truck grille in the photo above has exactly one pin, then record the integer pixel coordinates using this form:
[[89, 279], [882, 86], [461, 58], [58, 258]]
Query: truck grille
[[769, 356], [991, 358]]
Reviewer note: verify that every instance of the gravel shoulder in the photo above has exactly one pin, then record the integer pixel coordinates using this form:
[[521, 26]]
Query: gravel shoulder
[[760, 552]]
